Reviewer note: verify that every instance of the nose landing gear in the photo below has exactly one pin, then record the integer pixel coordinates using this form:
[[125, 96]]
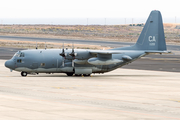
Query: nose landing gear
[[23, 74]]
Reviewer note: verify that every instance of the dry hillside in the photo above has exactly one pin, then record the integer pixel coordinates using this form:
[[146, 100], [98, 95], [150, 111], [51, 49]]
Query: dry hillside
[[96, 32]]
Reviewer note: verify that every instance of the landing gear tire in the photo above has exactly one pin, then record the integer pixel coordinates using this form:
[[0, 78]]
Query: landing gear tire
[[77, 74], [86, 74], [69, 74], [23, 74]]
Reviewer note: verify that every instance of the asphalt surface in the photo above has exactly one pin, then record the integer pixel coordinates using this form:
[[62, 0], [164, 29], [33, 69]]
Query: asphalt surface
[[123, 94], [166, 62]]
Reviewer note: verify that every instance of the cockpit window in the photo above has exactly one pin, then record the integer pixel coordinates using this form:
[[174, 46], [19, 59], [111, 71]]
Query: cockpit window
[[22, 54], [16, 54], [19, 54]]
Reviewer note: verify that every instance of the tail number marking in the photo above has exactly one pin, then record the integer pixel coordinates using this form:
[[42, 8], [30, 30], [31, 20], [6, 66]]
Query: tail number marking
[[152, 40]]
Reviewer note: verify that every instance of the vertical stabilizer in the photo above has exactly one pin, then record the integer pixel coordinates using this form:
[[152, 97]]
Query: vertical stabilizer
[[152, 35]]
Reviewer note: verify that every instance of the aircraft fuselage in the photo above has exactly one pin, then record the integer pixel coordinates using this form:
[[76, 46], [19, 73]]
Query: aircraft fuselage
[[49, 61]]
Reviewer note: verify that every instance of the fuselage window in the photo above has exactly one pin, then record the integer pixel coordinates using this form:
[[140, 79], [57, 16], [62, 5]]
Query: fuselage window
[[42, 64], [19, 60]]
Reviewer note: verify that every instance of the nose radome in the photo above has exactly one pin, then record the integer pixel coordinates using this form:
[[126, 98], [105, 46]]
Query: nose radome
[[9, 64]]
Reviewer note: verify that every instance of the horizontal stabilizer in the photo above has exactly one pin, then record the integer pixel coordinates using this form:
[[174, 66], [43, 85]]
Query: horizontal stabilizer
[[153, 51]]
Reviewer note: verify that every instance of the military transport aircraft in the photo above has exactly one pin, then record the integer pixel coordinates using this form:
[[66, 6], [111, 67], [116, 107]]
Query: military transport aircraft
[[85, 62]]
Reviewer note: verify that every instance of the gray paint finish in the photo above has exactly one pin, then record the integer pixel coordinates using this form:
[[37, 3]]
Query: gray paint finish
[[79, 61]]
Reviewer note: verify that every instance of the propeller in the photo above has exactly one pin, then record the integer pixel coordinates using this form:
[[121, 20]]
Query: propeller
[[63, 55], [72, 53]]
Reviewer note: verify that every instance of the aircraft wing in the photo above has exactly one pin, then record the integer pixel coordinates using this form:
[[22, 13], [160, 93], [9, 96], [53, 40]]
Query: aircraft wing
[[104, 52], [108, 52]]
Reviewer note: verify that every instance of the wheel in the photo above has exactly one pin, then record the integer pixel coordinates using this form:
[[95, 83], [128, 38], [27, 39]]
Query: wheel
[[77, 74], [69, 74], [86, 74], [23, 74]]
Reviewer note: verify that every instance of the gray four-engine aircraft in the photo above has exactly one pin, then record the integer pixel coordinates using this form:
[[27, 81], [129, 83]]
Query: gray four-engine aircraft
[[84, 61]]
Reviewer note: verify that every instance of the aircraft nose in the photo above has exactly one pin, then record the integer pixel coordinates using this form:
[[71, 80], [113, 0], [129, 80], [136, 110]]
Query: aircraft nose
[[9, 64]]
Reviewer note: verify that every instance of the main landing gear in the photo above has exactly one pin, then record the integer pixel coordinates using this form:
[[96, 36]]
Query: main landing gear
[[23, 74], [86, 74], [82, 75], [71, 74]]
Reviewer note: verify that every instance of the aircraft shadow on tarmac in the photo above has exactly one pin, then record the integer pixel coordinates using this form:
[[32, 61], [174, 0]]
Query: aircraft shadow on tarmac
[[93, 76]]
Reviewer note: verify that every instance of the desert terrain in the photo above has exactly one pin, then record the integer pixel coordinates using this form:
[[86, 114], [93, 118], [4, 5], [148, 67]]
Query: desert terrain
[[121, 33]]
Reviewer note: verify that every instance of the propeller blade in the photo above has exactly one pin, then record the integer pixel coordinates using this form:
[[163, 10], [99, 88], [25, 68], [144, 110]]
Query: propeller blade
[[72, 63], [72, 53], [63, 52], [63, 62]]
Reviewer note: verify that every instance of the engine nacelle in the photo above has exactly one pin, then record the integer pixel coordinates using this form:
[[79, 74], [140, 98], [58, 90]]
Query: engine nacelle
[[126, 57], [96, 61], [80, 61]]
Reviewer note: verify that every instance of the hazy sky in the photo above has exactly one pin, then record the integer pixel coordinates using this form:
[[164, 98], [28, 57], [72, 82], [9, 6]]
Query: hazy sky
[[87, 8]]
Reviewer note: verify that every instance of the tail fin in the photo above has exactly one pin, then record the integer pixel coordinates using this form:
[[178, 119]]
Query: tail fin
[[152, 35], [151, 39]]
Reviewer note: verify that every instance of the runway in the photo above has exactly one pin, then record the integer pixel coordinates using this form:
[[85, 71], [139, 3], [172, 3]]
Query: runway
[[121, 94]]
